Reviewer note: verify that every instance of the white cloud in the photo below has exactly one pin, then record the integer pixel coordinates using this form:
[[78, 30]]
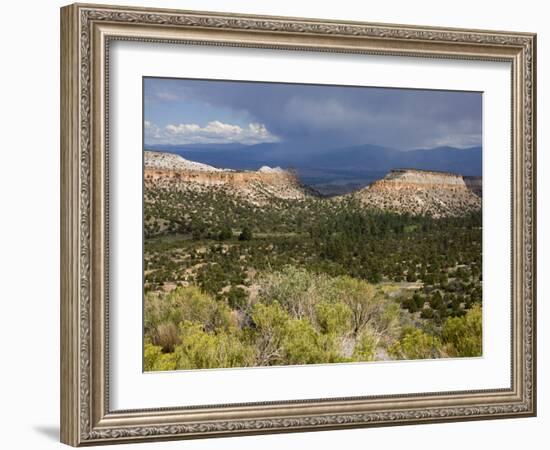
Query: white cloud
[[211, 133], [182, 129], [168, 96], [152, 131]]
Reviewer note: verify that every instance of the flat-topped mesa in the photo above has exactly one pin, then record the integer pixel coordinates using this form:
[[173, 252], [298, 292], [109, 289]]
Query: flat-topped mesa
[[170, 161], [419, 179], [421, 192], [172, 171], [167, 166]]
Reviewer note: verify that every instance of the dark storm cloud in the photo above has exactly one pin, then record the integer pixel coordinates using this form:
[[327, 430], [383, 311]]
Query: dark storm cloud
[[328, 116]]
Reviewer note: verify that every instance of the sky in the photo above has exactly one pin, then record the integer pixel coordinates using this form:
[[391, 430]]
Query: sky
[[185, 111]]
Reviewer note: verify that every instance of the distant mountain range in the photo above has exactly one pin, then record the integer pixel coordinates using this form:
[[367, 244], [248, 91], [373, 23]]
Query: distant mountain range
[[335, 170]]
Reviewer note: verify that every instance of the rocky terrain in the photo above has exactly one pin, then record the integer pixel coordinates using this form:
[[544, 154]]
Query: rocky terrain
[[412, 191], [164, 170], [172, 162], [247, 268], [419, 192]]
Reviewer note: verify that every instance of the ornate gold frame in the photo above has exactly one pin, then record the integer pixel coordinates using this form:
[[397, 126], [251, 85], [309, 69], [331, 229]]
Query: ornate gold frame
[[86, 31]]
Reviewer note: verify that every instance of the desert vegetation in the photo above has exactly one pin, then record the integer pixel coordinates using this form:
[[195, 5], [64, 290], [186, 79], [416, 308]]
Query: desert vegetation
[[295, 317], [231, 283]]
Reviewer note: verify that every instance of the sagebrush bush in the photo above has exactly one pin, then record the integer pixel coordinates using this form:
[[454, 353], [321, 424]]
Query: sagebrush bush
[[333, 318], [183, 303], [416, 344], [166, 336], [200, 349], [295, 317], [155, 360], [366, 345], [463, 335]]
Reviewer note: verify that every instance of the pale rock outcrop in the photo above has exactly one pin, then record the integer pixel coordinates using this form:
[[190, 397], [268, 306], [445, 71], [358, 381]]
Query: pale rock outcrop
[[171, 161], [420, 192], [164, 170]]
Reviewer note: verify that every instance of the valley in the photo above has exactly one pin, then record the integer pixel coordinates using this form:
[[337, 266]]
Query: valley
[[248, 268]]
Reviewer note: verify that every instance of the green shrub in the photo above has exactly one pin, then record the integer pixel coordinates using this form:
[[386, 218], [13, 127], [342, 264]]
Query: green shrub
[[295, 289], [365, 347], [237, 298], [165, 311], [167, 336], [155, 360], [200, 349], [301, 344], [225, 233], [416, 344], [463, 335], [365, 301], [246, 234], [270, 323], [280, 339], [333, 318]]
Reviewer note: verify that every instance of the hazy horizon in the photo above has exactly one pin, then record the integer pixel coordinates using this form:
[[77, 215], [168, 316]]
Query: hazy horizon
[[310, 118], [331, 135]]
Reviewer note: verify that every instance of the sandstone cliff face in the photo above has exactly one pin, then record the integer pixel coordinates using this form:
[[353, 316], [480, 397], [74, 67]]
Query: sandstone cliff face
[[421, 178], [256, 187], [416, 192], [411, 191]]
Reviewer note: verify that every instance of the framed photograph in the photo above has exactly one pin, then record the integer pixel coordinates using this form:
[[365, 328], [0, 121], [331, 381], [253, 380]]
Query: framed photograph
[[276, 224]]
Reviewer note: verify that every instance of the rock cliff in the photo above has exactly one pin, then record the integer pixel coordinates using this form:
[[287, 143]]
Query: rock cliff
[[163, 170], [412, 191]]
